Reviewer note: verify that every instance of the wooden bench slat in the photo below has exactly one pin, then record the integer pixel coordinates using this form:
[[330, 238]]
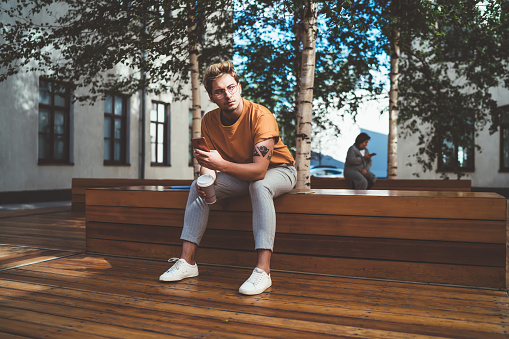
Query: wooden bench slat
[[320, 246], [354, 226], [490, 277], [457, 205]]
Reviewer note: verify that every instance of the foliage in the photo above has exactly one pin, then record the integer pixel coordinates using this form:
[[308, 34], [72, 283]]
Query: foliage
[[268, 47], [84, 42], [452, 54]]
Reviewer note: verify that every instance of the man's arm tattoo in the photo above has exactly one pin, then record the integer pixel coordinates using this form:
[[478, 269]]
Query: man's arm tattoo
[[270, 156], [263, 150], [255, 153]]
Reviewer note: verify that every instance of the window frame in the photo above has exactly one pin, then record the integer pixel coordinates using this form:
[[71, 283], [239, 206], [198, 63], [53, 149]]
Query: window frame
[[52, 108], [166, 138], [123, 161]]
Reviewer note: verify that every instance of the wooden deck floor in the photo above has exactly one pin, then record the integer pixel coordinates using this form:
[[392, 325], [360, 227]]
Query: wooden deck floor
[[49, 287]]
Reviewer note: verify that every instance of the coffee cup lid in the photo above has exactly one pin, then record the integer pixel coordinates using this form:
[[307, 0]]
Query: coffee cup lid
[[205, 180]]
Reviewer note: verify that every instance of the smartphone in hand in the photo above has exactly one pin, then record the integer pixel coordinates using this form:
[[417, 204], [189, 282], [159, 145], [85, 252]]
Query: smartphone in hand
[[200, 143]]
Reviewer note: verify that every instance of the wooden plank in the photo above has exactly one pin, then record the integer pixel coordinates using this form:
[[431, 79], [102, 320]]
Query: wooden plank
[[486, 231], [212, 295], [13, 256], [318, 245], [447, 205], [398, 184], [489, 277]]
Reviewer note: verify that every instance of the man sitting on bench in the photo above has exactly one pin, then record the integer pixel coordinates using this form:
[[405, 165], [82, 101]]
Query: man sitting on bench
[[246, 156]]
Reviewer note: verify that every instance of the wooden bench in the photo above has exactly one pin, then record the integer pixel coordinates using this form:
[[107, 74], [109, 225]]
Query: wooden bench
[[455, 238], [80, 185], [399, 184]]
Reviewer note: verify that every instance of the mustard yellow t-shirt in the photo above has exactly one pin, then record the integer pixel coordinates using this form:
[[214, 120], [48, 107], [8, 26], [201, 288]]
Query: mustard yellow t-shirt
[[236, 143]]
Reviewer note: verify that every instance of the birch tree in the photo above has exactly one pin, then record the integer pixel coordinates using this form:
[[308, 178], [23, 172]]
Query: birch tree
[[392, 151], [305, 96]]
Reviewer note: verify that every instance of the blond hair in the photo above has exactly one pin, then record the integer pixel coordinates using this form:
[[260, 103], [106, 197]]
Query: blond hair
[[215, 71]]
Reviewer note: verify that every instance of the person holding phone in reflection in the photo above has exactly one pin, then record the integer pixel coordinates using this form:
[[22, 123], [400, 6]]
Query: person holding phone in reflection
[[246, 156], [358, 164]]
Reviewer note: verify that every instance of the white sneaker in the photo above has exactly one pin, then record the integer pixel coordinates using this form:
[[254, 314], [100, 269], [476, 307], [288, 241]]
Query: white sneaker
[[180, 270], [257, 283]]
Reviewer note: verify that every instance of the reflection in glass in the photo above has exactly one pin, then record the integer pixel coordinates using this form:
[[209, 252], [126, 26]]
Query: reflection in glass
[[107, 127], [59, 123], [118, 106], [117, 150], [44, 123], [59, 147], [44, 146], [108, 104], [107, 149], [44, 92], [118, 128]]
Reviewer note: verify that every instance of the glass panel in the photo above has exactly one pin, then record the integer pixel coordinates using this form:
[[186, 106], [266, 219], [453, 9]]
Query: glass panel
[[44, 147], [107, 127], [118, 106], [44, 92], [160, 133], [161, 113], [59, 123], [160, 155], [505, 145], [60, 96], [118, 128], [153, 114], [153, 153], [44, 120], [108, 104], [153, 132], [59, 147], [117, 151], [107, 149]]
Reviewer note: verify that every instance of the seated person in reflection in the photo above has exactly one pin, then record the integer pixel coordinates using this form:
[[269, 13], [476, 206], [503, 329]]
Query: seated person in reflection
[[358, 163]]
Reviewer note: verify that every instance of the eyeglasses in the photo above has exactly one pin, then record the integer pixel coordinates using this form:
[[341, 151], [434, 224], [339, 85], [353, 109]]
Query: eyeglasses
[[221, 93]]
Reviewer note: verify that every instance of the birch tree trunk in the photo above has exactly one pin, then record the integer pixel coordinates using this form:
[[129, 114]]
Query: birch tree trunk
[[195, 88], [305, 97], [392, 151]]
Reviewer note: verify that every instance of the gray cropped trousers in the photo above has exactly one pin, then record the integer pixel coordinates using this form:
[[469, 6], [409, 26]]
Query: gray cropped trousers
[[277, 181]]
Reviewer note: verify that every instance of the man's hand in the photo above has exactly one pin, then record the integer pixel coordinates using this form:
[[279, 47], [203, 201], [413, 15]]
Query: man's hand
[[364, 171], [212, 160]]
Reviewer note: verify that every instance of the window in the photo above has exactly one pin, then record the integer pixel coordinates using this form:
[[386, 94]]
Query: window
[[54, 122], [458, 155], [504, 138], [115, 130], [159, 134]]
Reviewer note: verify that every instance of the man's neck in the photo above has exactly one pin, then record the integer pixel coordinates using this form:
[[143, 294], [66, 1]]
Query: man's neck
[[228, 118]]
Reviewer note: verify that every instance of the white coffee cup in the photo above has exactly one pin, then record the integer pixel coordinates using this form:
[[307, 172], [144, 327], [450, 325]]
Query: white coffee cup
[[206, 183]]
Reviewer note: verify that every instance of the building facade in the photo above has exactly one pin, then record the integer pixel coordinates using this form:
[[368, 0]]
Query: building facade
[[488, 168], [46, 140]]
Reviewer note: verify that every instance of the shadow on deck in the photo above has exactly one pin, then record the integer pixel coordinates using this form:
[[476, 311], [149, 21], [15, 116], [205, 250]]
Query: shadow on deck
[[49, 286]]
